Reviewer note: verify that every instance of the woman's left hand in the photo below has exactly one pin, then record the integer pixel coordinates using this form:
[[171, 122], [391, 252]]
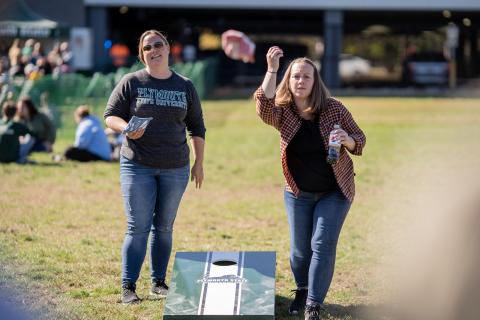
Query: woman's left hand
[[345, 139], [197, 174], [135, 134]]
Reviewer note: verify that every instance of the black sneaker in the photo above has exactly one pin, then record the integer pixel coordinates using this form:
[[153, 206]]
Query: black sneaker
[[159, 290], [312, 311], [299, 302], [128, 293]]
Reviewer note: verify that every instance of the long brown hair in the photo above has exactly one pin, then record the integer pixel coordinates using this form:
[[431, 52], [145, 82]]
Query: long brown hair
[[317, 100], [32, 110], [140, 41]]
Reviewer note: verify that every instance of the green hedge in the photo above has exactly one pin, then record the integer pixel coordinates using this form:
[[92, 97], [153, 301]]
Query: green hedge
[[74, 88]]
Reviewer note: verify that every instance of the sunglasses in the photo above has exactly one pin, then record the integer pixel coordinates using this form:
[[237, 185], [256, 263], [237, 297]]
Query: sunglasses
[[156, 45]]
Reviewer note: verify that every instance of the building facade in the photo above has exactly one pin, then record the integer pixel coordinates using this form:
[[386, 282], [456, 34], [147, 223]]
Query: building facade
[[339, 24]]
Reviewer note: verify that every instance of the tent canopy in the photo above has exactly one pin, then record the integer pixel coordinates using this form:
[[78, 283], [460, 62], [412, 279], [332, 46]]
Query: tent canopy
[[17, 20]]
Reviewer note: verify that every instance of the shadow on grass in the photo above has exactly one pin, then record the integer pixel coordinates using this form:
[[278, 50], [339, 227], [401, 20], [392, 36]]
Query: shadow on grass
[[281, 306], [359, 311], [336, 311], [44, 164]]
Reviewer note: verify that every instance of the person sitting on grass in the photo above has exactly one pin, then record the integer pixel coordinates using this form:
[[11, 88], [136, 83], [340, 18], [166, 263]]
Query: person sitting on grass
[[41, 126], [14, 144], [91, 143]]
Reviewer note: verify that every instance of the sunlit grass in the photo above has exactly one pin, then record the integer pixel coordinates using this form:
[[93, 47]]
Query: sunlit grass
[[62, 225]]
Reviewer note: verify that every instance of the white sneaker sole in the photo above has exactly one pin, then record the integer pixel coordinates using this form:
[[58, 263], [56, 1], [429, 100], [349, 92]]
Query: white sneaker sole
[[156, 296]]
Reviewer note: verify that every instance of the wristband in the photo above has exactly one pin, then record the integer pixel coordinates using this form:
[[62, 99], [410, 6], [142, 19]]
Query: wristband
[[271, 71]]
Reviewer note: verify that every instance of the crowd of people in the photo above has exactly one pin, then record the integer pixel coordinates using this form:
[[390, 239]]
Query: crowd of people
[[25, 129], [30, 60]]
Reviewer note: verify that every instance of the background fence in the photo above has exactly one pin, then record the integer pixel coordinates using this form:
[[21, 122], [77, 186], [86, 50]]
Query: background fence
[[74, 88]]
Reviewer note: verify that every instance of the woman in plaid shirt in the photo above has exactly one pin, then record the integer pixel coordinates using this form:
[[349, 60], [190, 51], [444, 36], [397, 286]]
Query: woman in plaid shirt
[[318, 195]]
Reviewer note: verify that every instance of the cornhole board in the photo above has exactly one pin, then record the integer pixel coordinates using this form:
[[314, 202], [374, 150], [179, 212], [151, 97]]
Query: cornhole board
[[222, 285]]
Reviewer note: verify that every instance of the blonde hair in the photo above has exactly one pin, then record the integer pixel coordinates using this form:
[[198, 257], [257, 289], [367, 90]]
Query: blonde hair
[[82, 111], [140, 42], [317, 100]]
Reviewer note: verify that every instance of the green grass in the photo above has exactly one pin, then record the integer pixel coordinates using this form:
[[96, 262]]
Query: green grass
[[62, 225]]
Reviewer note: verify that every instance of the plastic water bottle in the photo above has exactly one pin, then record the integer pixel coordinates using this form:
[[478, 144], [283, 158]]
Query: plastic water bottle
[[334, 146]]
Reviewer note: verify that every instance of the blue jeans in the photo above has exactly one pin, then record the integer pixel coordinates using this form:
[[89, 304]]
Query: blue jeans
[[315, 221], [25, 147], [38, 146], [151, 199]]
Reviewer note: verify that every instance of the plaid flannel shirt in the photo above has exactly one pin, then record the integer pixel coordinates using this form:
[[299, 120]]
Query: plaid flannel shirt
[[288, 121]]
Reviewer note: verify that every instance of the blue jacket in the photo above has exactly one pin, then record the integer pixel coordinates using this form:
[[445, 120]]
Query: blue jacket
[[90, 136]]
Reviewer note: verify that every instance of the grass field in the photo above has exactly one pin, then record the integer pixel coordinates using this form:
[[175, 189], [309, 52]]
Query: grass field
[[62, 225]]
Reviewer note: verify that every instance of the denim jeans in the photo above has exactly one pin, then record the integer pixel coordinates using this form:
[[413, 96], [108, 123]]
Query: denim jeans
[[315, 221], [25, 147], [38, 146], [151, 199]]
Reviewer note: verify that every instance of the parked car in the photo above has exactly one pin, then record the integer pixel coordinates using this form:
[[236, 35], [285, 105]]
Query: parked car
[[426, 68], [353, 67]]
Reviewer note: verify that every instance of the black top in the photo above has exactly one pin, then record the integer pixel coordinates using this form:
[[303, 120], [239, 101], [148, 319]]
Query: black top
[[173, 104], [306, 160]]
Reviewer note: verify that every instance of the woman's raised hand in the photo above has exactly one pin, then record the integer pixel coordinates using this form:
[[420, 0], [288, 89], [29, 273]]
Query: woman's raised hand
[[273, 58]]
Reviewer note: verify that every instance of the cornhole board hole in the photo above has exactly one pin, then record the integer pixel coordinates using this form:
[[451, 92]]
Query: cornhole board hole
[[222, 285]]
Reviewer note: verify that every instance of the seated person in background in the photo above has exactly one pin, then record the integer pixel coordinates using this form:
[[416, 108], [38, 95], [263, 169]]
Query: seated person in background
[[91, 143], [12, 147], [42, 128]]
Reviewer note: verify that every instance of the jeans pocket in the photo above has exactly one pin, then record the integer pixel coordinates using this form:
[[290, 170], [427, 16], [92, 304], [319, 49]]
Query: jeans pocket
[[127, 152]]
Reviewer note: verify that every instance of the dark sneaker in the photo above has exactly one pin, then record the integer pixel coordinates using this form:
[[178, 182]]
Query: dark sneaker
[[299, 302], [128, 294], [312, 311], [159, 290]]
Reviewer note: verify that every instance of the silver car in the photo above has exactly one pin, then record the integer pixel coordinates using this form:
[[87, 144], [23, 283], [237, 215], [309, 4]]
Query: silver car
[[353, 67], [427, 68]]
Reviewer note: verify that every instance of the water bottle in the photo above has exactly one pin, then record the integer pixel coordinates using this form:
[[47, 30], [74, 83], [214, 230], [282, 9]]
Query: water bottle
[[334, 146]]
